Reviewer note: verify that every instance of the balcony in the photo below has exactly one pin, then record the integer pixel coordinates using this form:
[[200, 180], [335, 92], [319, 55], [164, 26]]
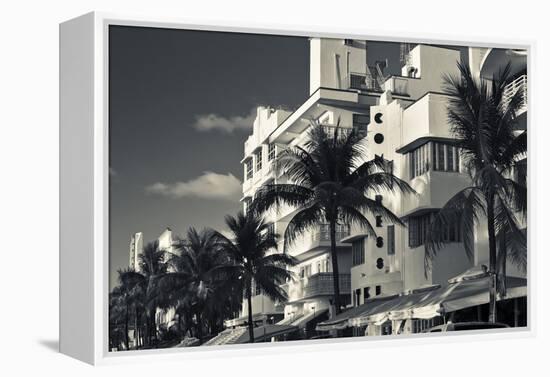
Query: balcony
[[320, 284], [520, 83], [397, 85], [322, 234]]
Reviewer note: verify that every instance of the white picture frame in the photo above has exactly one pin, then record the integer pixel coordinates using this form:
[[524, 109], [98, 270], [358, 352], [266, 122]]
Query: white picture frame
[[84, 178]]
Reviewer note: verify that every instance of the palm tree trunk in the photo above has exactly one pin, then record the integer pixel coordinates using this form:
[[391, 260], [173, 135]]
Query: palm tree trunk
[[199, 326], [335, 274], [501, 260], [250, 323], [126, 327], [135, 327], [492, 258]]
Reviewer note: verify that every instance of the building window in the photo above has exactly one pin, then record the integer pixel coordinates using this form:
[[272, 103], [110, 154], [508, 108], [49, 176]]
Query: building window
[[391, 240], [433, 156], [418, 226], [358, 252], [259, 160], [378, 290], [348, 42], [366, 293], [271, 154], [361, 122], [445, 157], [271, 230], [249, 173], [247, 203], [357, 297]]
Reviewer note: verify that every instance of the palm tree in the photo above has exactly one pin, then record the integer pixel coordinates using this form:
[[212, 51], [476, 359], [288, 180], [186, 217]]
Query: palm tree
[[250, 261], [483, 122], [329, 182], [192, 286], [153, 266]]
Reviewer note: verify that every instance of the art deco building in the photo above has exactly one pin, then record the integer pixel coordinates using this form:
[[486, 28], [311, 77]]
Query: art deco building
[[404, 119]]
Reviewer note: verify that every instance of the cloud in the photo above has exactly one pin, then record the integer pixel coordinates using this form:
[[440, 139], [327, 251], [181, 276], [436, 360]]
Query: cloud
[[207, 186], [209, 122]]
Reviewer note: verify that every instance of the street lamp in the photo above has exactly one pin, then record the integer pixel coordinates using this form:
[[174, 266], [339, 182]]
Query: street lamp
[[313, 308]]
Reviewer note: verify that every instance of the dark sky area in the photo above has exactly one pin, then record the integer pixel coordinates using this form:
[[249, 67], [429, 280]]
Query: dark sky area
[[180, 105]]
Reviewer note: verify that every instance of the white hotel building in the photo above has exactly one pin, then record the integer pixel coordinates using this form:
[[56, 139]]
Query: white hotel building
[[405, 119]]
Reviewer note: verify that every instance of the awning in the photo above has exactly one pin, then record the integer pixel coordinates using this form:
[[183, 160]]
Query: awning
[[244, 319], [464, 294], [303, 321], [464, 291], [342, 320], [265, 332], [395, 309]]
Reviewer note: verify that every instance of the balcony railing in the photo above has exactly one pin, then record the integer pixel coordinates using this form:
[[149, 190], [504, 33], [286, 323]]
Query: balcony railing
[[322, 234], [397, 85], [320, 284], [511, 89]]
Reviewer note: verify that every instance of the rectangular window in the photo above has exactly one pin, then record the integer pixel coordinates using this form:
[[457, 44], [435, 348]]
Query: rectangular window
[[440, 156], [247, 203], [450, 158], [307, 270], [358, 252], [271, 229], [259, 160], [378, 290], [456, 159], [412, 164], [248, 169], [433, 156], [361, 122], [391, 240], [366, 293], [271, 152], [357, 297], [418, 226]]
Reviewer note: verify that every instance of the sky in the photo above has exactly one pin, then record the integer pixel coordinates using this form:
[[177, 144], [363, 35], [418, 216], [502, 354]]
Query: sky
[[181, 105]]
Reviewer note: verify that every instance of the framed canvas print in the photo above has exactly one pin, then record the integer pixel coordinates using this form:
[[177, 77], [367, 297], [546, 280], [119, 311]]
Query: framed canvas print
[[228, 188]]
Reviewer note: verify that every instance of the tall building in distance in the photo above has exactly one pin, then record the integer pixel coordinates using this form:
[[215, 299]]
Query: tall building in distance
[[136, 248]]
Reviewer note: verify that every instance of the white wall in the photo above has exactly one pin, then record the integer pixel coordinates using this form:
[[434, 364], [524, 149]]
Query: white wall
[[331, 61]]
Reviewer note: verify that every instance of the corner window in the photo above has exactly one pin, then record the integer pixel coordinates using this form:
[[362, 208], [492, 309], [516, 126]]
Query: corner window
[[418, 226], [434, 156]]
